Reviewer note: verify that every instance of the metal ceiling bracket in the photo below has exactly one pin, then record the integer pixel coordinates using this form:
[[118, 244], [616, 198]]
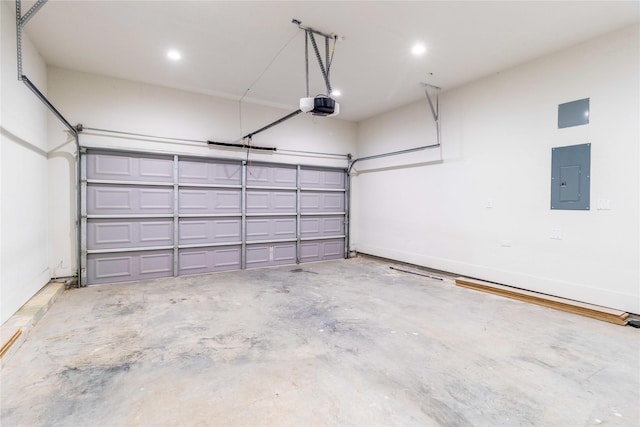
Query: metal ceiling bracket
[[435, 111], [36, 7], [325, 67], [21, 21]]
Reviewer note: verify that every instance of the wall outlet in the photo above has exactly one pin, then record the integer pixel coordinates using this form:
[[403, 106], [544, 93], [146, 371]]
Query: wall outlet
[[604, 205], [556, 234], [489, 204]]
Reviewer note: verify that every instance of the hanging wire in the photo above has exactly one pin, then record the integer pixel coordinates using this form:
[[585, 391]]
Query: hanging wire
[[269, 65], [256, 81], [333, 50], [240, 115]]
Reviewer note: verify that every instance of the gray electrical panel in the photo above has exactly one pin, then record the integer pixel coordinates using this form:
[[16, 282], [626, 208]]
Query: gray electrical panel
[[570, 177], [574, 113]]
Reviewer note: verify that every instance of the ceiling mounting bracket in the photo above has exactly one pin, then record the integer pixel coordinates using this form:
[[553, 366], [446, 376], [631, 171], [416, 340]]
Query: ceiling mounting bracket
[[320, 105], [325, 66]]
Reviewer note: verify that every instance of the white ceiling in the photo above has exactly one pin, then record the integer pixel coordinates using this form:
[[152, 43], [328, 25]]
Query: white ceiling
[[226, 46]]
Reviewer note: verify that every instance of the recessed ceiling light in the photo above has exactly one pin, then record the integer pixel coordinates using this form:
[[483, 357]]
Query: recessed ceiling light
[[174, 55], [336, 93], [418, 49]]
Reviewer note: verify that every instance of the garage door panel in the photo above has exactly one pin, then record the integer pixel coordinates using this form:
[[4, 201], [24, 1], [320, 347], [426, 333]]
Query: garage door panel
[[193, 261], [271, 176], [207, 260], [333, 249], [124, 233], [129, 266], [125, 200], [156, 263], [284, 228], [272, 228], [321, 226], [321, 250], [109, 234], [156, 233], [103, 199], [209, 201], [227, 258], [112, 268], [209, 230], [155, 199], [119, 167], [194, 200], [321, 202], [317, 178], [156, 169], [259, 201], [136, 224], [265, 255], [284, 254], [202, 172], [258, 256]]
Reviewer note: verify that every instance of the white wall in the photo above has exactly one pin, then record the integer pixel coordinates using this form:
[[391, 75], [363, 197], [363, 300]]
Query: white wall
[[493, 185], [107, 103], [23, 173]]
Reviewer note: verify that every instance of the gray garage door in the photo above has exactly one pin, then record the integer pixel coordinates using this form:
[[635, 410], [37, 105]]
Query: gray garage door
[[147, 216]]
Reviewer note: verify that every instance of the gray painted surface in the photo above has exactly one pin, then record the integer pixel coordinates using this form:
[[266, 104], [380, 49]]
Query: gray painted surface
[[201, 204], [322, 178], [124, 167], [208, 201], [265, 255], [574, 113], [205, 260], [119, 233], [321, 250], [127, 200], [271, 228], [208, 230], [129, 266], [313, 202], [571, 177], [268, 202], [322, 226], [271, 176], [339, 343], [194, 171]]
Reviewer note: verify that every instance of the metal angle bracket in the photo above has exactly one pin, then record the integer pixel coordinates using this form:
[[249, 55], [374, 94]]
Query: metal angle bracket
[[21, 21], [435, 110], [325, 66], [35, 8]]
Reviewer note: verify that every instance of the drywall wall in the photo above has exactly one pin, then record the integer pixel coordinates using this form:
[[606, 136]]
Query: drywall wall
[[108, 103], [484, 210], [23, 173]]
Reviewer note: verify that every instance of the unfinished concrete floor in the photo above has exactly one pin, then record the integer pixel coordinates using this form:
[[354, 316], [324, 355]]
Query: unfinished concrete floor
[[346, 342]]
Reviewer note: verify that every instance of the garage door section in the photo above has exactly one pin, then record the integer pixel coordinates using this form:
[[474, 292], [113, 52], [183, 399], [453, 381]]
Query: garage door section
[[322, 219], [271, 215], [129, 217], [148, 216], [209, 216]]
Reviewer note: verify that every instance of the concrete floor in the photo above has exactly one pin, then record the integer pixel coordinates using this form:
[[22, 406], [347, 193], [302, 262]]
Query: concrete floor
[[346, 342]]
